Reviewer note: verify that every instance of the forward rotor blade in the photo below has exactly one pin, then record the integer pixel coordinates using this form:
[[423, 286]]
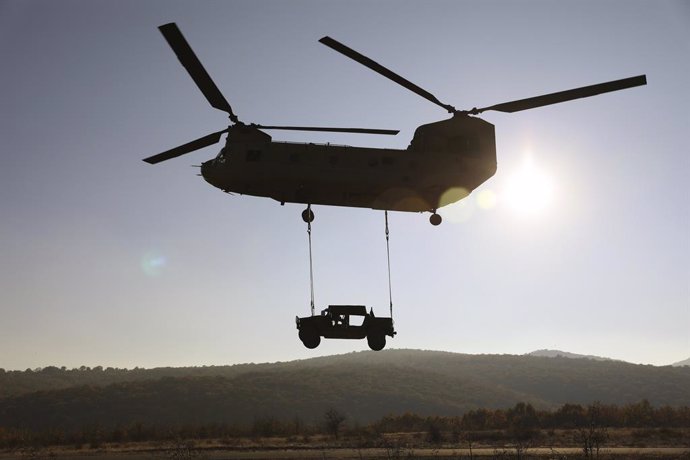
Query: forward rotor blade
[[376, 67], [190, 62], [563, 96], [332, 130], [186, 148]]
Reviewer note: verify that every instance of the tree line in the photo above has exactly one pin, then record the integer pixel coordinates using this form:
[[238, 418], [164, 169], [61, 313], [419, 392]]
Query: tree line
[[568, 416], [519, 424]]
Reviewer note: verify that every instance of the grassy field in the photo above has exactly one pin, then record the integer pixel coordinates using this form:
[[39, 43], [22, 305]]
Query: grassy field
[[557, 444], [348, 453]]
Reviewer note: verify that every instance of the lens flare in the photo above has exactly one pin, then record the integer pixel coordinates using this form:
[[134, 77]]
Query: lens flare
[[453, 195], [153, 264], [487, 199], [459, 212]]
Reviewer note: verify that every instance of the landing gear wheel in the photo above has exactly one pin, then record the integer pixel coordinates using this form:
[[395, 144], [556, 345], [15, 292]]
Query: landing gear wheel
[[310, 339], [435, 219], [308, 215], [376, 341]]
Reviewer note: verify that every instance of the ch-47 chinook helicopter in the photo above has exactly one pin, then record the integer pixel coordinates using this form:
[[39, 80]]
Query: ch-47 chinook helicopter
[[444, 162]]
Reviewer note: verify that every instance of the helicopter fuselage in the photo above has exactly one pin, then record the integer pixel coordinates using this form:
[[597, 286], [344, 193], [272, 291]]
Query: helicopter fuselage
[[445, 161]]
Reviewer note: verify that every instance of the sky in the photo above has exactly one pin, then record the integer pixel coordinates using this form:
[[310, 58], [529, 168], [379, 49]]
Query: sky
[[580, 242]]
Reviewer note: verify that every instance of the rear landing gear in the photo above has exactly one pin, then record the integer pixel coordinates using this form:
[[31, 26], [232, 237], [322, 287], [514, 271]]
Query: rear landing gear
[[435, 219], [308, 215]]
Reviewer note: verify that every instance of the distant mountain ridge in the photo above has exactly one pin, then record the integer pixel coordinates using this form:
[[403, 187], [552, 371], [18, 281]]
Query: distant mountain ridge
[[364, 385], [546, 353], [685, 362]]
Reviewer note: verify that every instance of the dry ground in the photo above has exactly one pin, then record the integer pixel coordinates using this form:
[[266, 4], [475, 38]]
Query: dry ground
[[362, 454], [556, 444]]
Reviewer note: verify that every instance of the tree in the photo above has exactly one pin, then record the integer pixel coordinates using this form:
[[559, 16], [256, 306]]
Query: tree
[[640, 414], [434, 435], [333, 421], [523, 423], [594, 434], [570, 416]]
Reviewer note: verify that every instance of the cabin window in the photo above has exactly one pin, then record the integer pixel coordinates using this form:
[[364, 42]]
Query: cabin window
[[295, 158], [220, 158], [253, 155], [464, 145], [373, 162], [333, 160], [388, 161]]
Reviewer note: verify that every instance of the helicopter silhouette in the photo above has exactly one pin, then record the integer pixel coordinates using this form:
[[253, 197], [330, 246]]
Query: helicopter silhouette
[[445, 161]]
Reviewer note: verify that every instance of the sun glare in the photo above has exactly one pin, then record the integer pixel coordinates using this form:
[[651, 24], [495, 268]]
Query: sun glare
[[529, 190]]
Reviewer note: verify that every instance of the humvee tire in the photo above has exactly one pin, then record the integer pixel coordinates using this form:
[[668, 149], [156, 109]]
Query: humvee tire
[[310, 338], [376, 341]]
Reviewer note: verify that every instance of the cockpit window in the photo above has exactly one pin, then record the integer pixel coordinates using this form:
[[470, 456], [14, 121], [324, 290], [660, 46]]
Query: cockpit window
[[222, 155]]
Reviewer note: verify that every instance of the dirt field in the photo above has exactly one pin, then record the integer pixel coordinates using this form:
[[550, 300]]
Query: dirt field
[[399, 453], [557, 444]]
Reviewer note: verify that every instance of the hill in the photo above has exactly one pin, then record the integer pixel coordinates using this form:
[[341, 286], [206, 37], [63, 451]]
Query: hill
[[13, 383], [685, 362], [565, 354], [364, 385]]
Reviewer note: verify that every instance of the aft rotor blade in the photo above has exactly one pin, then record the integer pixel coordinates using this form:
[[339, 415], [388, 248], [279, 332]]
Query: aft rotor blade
[[569, 95], [186, 148], [190, 62], [376, 67], [333, 130]]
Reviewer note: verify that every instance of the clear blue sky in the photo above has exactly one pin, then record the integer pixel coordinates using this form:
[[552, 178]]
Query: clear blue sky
[[106, 260]]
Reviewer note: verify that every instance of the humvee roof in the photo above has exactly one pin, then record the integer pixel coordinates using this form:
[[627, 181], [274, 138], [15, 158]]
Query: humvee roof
[[358, 310]]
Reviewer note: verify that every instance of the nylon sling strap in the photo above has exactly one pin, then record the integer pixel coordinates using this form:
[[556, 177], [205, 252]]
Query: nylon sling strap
[[388, 255], [311, 265]]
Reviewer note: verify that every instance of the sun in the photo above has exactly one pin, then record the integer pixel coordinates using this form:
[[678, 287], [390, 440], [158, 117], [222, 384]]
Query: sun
[[530, 190]]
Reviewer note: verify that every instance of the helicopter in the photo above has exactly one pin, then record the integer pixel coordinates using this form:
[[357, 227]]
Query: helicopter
[[444, 162]]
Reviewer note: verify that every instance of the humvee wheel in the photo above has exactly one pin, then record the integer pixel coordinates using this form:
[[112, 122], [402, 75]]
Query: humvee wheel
[[310, 339], [376, 341]]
